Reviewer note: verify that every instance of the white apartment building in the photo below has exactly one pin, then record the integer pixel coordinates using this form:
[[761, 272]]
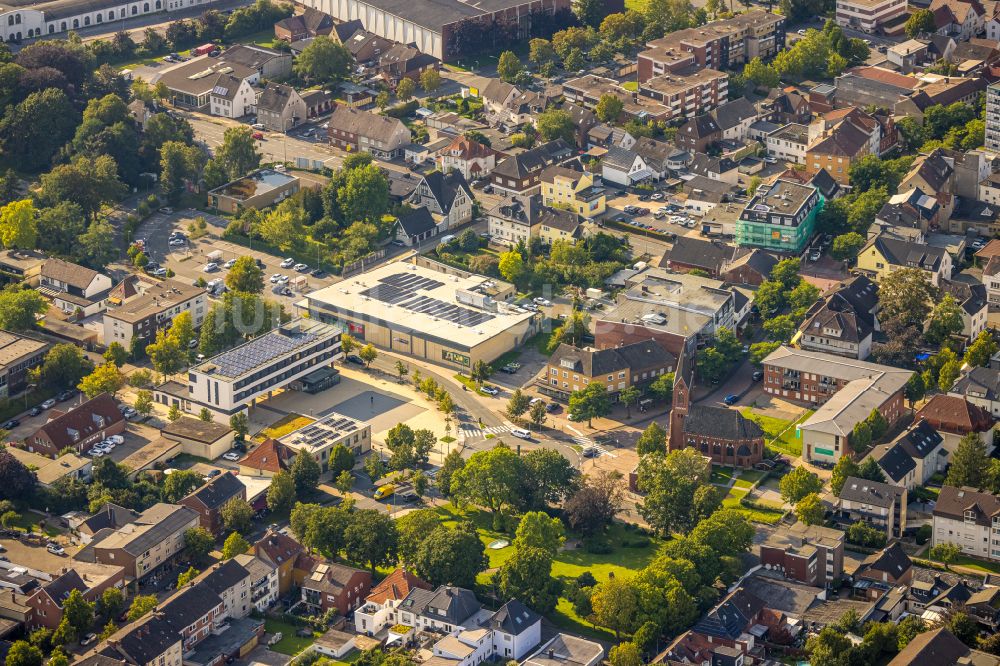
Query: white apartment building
[[263, 581], [969, 519], [789, 143], [234, 380], [138, 307], [320, 437], [868, 15]]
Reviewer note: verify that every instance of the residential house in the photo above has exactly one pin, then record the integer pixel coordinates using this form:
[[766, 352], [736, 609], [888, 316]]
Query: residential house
[[883, 254], [567, 650], [720, 169], [940, 646], [231, 581], [508, 105], [280, 108], [445, 609], [922, 447], [955, 417], [944, 92], [73, 288], [967, 518], [139, 307], [834, 326], [518, 218], [749, 268], [404, 61], [881, 505], [367, 48], [571, 368], [46, 603], [970, 296], [583, 120], [703, 194], [470, 158], [934, 174], [783, 106], [79, 428], [381, 136], [280, 551], [719, 433], [565, 187], [232, 96], [447, 195], [887, 568], [735, 117], [49, 472], [379, 609], [332, 586], [267, 459], [141, 545], [658, 156], [969, 17], [908, 215], [321, 102], [841, 146], [624, 167], [310, 23], [689, 253], [521, 173], [698, 133], [415, 227], [209, 499], [263, 581], [810, 554], [789, 143], [981, 387]]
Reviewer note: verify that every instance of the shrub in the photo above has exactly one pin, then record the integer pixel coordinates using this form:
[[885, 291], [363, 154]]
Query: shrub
[[924, 534], [586, 579]]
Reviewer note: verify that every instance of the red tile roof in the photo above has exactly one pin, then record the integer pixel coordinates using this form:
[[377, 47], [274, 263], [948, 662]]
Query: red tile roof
[[955, 415], [271, 456], [396, 586]]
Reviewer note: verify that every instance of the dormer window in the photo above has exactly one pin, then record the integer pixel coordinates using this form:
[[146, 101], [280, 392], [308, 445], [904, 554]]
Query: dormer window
[[970, 516]]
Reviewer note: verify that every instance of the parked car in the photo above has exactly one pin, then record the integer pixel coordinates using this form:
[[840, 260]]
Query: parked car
[[301, 268], [210, 267], [541, 301], [88, 639], [757, 375], [231, 455], [489, 390], [355, 359], [65, 395], [521, 432], [11, 424], [731, 399], [551, 407], [166, 210], [815, 255], [288, 263], [274, 278], [229, 264], [35, 411], [384, 491], [318, 273], [49, 404], [159, 272], [176, 241], [591, 452], [55, 549], [214, 473]]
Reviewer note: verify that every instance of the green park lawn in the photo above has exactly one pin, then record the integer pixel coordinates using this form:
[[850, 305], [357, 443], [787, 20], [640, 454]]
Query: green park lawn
[[721, 475], [289, 644], [568, 564], [763, 515], [779, 433]]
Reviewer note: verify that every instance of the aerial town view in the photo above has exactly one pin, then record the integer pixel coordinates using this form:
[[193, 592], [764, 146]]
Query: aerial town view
[[499, 332]]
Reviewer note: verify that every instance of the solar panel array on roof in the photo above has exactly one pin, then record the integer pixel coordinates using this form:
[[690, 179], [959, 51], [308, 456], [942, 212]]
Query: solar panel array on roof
[[317, 433], [400, 289], [258, 352], [220, 90]]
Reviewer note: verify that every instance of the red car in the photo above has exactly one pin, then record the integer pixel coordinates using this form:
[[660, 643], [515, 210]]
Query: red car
[[258, 136]]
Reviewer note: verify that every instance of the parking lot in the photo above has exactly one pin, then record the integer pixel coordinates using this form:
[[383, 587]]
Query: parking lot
[[188, 260]]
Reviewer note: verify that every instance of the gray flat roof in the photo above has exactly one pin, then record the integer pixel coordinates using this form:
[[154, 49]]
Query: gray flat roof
[[435, 14], [266, 348]]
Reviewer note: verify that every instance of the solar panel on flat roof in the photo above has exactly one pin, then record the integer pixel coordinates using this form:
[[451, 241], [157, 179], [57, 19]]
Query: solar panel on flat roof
[[399, 289], [259, 351]]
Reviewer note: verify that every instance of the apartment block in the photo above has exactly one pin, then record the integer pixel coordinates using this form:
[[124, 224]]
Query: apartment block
[[868, 15], [810, 554], [719, 45], [688, 92], [969, 519], [993, 117]]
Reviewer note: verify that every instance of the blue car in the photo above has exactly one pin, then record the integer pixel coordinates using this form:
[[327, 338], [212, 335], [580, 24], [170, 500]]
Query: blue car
[[731, 399]]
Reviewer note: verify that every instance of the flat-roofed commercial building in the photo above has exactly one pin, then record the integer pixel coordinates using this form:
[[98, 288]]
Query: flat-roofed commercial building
[[426, 310], [320, 437], [234, 380], [868, 15], [447, 29], [18, 354], [259, 189]]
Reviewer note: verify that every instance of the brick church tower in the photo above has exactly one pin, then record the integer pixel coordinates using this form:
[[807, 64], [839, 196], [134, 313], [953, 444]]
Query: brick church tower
[[683, 380]]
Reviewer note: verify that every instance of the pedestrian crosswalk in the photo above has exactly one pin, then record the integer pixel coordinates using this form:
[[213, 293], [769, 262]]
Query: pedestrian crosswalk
[[474, 432], [588, 444]]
